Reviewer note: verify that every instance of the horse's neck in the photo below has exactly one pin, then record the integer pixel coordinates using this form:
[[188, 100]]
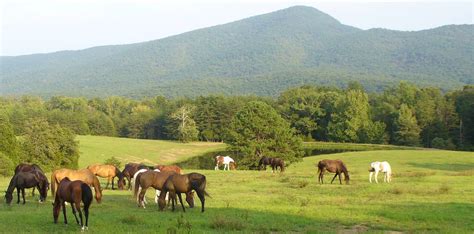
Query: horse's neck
[[12, 185]]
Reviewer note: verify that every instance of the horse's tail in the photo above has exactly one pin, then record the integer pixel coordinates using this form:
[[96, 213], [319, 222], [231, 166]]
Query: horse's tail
[[86, 195], [136, 185], [200, 185], [53, 183]]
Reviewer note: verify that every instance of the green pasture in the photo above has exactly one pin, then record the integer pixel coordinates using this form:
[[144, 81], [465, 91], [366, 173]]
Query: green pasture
[[96, 149], [431, 191]]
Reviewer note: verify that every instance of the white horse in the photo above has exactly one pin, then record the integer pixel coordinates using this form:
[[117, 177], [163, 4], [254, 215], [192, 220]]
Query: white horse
[[380, 167], [158, 192], [226, 160]]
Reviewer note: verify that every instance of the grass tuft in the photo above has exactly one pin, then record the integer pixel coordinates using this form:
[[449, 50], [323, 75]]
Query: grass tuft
[[227, 223]]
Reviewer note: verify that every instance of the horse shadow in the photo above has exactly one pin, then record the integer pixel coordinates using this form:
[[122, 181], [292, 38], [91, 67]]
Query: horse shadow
[[443, 167]]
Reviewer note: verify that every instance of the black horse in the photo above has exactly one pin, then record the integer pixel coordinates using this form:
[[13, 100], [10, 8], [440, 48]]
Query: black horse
[[273, 162], [23, 180], [24, 167]]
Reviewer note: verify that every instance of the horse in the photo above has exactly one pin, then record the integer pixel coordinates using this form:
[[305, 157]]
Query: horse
[[383, 167], [156, 180], [73, 192], [273, 162], [226, 161], [22, 180], [134, 179], [130, 170], [83, 175], [335, 166], [109, 172], [177, 184], [164, 168], [24, 167]]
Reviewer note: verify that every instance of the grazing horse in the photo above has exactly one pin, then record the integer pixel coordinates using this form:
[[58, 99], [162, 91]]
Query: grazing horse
[[83, 175], [334, 166], [22, 180], [130, 170], [155, 180], [73, 192], [24, 167], [165, 168], [134, 179], [226, 161], [109, 172], [177, 184], [383, 167], [273, 162]]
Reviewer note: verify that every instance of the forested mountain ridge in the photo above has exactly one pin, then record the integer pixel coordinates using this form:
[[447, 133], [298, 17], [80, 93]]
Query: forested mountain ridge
[[260, 55]]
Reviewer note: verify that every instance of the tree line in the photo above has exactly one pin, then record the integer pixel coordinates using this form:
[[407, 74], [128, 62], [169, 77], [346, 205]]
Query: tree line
[[403, 115]]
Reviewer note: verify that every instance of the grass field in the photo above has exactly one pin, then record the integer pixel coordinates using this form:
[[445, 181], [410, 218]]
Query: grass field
[[96, 149], [432, 191]]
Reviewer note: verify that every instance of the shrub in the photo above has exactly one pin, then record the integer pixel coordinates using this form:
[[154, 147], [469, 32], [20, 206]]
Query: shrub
[[6, 165], [113, 161]]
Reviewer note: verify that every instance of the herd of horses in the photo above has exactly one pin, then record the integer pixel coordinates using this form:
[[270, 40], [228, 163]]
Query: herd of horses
[[74, 186]]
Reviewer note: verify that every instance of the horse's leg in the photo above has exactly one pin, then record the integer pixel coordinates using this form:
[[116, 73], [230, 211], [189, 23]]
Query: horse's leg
[[376, 175], [334, 177], [321, 174], [33, 192], [113, 183], [78, 206], [108, 182], [181, 201], [173, 199], [370, 176], [340, 182], [23, 195], [140, 197], [86, 214], [74, 212], [18, 195], [63, 205], [202, 198]]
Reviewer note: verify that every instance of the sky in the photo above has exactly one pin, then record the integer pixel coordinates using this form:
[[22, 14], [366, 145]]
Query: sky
[[43, 26]]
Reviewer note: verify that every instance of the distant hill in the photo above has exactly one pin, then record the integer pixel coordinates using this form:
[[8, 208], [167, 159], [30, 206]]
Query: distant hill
[[259, 55]]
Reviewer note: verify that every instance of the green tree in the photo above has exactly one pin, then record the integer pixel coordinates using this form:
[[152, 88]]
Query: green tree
[[257, 130], [465, 109], [185, 129], [9, 147], [408, 131], [50, 146]]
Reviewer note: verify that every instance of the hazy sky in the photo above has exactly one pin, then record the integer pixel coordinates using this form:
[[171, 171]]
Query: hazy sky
[[39, 26]]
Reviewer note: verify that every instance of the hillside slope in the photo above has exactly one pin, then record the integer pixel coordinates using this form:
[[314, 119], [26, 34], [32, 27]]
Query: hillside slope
[[259, 55]]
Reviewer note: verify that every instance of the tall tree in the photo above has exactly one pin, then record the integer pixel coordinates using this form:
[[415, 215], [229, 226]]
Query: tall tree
[[186, 127], [408, 131], [257, 130]]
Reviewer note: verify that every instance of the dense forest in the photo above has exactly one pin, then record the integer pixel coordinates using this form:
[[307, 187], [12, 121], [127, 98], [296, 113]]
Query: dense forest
[[262, 55], [42, 130]]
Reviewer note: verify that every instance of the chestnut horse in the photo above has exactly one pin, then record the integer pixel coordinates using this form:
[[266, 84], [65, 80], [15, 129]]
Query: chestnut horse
[[83, 175], [73, 192], [155, 180], [164, 168], [130, 170], [109, 172], [23, 180], [177, 184], [334, 166], [273, 162]]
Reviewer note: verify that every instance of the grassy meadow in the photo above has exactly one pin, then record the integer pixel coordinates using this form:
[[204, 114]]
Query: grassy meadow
[[431, 191]]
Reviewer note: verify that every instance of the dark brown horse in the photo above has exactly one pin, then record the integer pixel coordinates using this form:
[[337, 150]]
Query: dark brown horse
[[177, 184], [130, 170], [273, 162], [24, 167], [73, 192], [155, 180], [164, 168], [109, 172], [23, 180], [334, 166], [83, 175]]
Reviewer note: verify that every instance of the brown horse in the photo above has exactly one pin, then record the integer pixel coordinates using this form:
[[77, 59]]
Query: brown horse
[[73, 192], [23, 180], [164, 168], [83, 175], [109, 172], [130, 170], [177, 184], [273, 162], [334, 166], [155, 180], [24, 167]]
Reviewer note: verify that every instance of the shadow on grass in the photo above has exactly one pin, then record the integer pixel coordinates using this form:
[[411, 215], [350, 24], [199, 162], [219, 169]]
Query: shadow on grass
[[444, 167]]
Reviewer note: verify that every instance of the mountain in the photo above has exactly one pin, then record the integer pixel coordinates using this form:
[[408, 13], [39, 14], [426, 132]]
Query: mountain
[[259, 55]]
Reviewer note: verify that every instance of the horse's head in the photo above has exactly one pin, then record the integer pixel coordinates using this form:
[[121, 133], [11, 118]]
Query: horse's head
[[121, 181], [56, 209], [43, 189], [190, 198], [8, 197]]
